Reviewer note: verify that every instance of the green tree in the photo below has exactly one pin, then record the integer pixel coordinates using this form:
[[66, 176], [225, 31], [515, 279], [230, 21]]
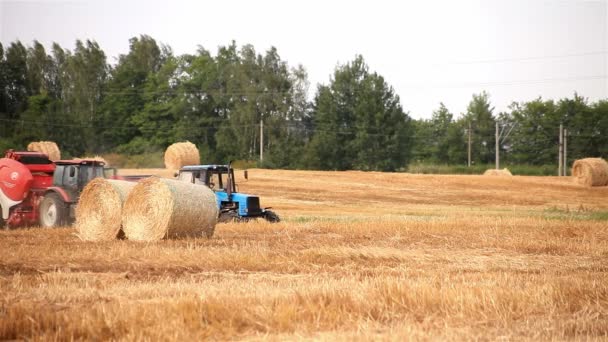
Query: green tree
[[124, 91], [359, 123], [163, 106], [457, 143], [39, 69], [422, 150], [483, 125], [441, 121], [86, 73]]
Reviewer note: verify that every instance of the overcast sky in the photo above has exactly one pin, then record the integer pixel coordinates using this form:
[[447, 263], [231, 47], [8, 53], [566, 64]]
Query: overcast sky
[[429, 51]]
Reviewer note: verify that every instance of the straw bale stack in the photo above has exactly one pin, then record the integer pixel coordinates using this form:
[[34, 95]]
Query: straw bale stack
[[48, 147], [98, 215], [590, 172], [494, 172], [181, 154], [160, 208]]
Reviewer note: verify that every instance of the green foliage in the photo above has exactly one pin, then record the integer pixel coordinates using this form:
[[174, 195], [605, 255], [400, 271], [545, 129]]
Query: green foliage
[[478, 169], [136, 161], [359, 123], [152, 98], [479, 115]]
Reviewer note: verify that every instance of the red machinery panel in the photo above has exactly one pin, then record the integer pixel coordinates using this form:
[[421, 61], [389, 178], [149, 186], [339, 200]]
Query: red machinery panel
[[15, 179]]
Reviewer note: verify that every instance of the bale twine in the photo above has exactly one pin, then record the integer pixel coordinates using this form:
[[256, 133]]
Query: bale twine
[[494, 172], [48, 147], [181, 154], [98, 215], [160, 208], [590, 172]]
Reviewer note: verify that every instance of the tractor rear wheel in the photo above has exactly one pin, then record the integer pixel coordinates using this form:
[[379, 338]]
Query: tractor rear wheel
[[52, 211], [228, 216], [271, 216]]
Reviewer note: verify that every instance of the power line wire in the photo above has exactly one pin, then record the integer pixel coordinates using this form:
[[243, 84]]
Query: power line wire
[[522, 59]]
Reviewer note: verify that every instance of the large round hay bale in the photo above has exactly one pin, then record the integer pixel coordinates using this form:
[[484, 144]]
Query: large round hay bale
[[48, 147], [160, 208], [495, 172], [98, 215], [590, 172], [181, 154]]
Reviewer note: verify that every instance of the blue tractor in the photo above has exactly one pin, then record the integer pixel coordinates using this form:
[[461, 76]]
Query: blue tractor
[[233, 206]]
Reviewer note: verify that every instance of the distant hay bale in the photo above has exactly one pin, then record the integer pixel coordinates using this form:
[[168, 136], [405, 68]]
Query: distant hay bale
[[160, 208], [98, 215], [495, 172], [590, 172], [48, 147], [181, 154]]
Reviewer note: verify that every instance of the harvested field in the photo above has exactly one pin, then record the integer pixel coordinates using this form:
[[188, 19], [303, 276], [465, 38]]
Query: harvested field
[[367, 256]]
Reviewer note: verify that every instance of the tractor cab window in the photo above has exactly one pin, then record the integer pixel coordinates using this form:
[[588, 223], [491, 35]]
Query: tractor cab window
[[200, 177], [70, 176], [221, 178], [89, 172], [215, 181]]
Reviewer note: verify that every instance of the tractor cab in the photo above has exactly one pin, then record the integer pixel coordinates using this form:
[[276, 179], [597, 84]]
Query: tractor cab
[[57, 207], [215, 177], [74, 175], [233, 206]]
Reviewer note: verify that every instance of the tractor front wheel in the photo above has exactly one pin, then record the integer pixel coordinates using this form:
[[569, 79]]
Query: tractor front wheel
[[53, 211], [271, 216]]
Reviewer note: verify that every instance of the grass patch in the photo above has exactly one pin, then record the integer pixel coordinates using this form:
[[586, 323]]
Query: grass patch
[[522, 170]]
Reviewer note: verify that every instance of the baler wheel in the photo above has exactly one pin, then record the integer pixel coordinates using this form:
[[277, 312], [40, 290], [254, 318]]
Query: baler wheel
[[53, 211]]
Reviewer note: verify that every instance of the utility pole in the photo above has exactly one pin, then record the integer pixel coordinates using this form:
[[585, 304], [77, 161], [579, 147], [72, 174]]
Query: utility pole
[[565, 152], [497, 148], [561, 150], [261, 139], [469, 131]]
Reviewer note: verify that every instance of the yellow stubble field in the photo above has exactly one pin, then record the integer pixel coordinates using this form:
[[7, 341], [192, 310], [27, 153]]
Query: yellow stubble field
[[358, 256]]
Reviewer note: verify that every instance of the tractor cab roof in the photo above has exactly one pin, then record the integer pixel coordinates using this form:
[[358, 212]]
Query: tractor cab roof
[[220, 168]]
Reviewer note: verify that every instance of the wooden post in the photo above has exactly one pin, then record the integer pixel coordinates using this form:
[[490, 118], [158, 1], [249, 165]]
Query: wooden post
[[561, 151], [261, 139], [497, 149], [469, 131], [565, 152]]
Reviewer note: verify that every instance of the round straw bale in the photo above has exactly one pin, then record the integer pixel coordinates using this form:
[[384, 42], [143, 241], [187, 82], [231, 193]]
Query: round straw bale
[[48, 147], [180, 154], [590, 172], [160, 208], [98, 214], [495, 172]]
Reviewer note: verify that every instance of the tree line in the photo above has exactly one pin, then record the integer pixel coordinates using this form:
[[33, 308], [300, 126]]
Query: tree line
[[152, 97]]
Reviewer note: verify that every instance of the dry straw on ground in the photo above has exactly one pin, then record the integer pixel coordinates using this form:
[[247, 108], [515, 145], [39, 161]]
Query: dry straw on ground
[[164, 208], [98, 215], [495, 172], [181, 154], [48, 147], [590, 172]]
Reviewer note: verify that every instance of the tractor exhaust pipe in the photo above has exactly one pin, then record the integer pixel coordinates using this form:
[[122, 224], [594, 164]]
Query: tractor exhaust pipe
[[230, 181]]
